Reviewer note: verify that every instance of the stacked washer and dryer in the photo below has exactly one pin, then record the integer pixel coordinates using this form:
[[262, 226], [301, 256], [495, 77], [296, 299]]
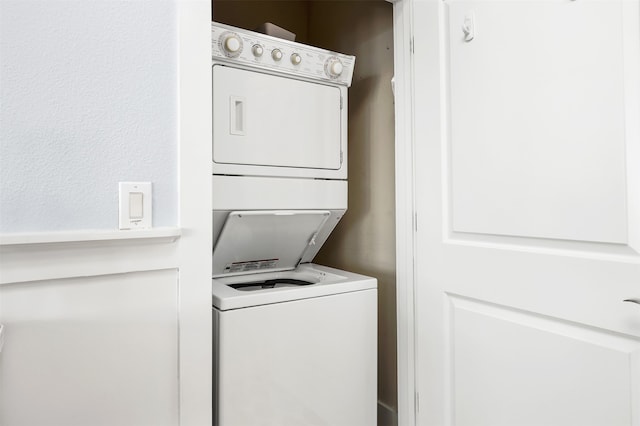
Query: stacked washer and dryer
[[294, 343]]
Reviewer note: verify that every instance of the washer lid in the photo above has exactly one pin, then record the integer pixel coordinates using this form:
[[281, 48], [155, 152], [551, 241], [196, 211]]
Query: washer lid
[[326, 282], [264, 241]]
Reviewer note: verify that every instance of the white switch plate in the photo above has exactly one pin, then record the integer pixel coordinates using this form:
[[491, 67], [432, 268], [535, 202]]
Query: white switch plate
[[135, 205]]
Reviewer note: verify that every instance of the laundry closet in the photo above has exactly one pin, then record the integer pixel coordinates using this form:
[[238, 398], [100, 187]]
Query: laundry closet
[[364, 240]]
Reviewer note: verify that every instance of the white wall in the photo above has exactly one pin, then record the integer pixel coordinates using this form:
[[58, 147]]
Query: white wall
[[88, 95]]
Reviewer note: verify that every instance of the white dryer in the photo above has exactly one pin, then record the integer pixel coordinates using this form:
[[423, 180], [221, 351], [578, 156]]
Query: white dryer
[[294, 343], [279, 107]]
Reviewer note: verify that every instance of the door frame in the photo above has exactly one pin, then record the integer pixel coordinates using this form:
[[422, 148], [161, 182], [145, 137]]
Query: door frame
[[195, 213], [405, 210]]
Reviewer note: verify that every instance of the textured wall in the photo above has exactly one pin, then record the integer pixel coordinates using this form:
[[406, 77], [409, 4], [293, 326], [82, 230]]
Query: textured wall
[[88, 95], [364, 241]]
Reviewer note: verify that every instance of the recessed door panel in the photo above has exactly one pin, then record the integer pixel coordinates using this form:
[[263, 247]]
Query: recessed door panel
[[266, 120], [99, 351], [497, 350], [537, 124]]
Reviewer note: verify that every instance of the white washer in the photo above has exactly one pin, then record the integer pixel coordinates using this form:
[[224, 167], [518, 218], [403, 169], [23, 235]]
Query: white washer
[[294, 343], [295, 355]]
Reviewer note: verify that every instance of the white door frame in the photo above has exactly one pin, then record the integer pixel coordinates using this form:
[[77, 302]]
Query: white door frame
[[405, 209], [195, 210], [194, 164]]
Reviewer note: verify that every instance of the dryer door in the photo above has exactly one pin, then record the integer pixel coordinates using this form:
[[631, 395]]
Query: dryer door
[[276, 124]]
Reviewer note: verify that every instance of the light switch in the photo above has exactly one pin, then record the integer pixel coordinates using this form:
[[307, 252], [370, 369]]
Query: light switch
[[1, 337], [135, 205]]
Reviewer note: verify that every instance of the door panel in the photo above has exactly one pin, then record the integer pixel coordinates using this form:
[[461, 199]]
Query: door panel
[[526, 141], [99, 351], [265, 120], [510, 367], [537, 125]]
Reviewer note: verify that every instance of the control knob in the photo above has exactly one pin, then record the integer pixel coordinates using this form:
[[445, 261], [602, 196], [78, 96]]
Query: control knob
[[296, 59], [276, 54], [231, 44], [333, 67], [257, 50]]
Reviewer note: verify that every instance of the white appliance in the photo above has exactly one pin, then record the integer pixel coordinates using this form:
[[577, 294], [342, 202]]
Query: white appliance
[[279, 107], [294, 343]]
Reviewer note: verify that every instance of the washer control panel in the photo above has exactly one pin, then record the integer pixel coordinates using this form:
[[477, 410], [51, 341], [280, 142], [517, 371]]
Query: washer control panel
[[243, 47]]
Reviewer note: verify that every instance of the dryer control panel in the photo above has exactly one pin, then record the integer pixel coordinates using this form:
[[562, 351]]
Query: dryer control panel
[[243, 47]]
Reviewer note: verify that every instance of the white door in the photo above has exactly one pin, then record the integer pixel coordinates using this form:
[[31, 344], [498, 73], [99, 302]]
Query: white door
[[527, 198]]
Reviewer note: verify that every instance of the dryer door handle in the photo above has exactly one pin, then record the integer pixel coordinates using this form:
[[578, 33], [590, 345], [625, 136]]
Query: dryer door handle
[[237, 115]]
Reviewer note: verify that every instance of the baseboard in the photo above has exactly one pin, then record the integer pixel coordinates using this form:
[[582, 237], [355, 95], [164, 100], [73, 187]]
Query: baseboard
[[387, 416]]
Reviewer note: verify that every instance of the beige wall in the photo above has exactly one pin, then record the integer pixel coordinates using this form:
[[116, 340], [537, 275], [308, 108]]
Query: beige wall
[[364, 241], [291, 15]]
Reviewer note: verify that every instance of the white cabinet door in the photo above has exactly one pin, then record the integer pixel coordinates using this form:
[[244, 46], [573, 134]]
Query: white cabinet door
[[90, 351], [527, 153]]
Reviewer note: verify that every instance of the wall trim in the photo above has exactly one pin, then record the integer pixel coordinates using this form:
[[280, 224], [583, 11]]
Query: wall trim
[[405, 209], [158, 235], [33, 257], [195, 213]]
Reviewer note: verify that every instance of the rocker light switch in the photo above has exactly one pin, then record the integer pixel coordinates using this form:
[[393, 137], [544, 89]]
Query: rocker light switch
[[135, 205], [136, 210], [1, 337]]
